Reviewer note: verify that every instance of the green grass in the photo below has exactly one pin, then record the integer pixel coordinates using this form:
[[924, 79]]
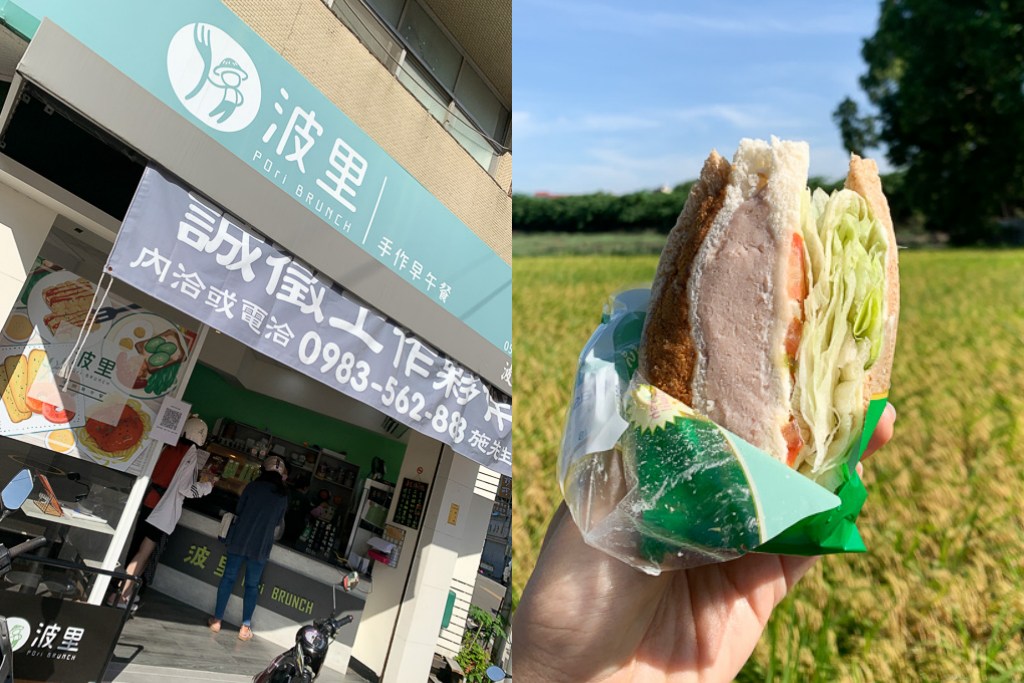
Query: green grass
[[586, 244], [940, 594]]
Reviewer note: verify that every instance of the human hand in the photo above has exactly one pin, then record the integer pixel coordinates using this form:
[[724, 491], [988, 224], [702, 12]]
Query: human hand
[[586, 616]]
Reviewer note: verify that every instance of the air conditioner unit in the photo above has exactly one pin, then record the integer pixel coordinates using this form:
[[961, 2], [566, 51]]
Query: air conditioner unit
[[394, 427]]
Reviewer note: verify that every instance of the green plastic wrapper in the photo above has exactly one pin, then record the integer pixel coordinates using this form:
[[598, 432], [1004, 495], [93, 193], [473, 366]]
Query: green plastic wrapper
[[661, 487]]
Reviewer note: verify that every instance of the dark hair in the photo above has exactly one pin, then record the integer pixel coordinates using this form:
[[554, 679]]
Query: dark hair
[[274, 478]]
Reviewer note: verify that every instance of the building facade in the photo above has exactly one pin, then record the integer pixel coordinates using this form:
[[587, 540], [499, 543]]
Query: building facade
[[418, 88]]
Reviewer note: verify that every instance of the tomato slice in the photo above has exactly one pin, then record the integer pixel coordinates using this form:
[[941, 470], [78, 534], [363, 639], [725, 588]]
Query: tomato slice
[[796, 282], [796, 289], [794, 441], [34, 405], [793, 334], [57, 415]]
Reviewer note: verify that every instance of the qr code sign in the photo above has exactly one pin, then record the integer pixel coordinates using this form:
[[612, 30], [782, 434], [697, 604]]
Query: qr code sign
[[170, 419]]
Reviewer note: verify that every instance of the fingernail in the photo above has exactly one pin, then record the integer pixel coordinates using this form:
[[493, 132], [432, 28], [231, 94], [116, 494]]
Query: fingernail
[[891, 410]]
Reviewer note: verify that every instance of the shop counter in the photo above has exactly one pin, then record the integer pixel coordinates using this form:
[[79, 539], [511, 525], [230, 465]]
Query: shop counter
[[295, 590]]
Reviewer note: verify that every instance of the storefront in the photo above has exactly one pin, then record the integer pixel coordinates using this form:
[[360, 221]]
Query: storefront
[[244, 253]]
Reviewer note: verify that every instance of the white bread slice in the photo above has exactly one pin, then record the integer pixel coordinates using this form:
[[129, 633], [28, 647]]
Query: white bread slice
[[863, 179]]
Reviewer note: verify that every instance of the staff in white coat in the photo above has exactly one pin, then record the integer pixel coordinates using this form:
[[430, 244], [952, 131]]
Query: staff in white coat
[[165, 515]]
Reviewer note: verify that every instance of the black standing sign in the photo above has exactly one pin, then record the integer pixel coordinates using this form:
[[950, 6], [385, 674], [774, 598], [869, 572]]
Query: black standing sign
[[411, 502], [60, 640]]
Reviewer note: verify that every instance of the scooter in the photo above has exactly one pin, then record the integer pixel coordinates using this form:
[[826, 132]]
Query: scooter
[[302, 663], [13, 495]]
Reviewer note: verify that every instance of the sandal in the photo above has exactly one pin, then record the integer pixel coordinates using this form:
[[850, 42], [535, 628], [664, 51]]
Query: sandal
[[245, 633], [214, 624]]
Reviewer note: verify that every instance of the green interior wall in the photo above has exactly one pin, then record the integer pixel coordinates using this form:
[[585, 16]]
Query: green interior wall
[[214, 397]]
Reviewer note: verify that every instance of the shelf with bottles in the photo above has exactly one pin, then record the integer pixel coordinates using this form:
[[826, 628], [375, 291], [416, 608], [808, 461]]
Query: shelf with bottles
[[332, 468], [233, 469], [242, 438], [257, 444], [296, 456]]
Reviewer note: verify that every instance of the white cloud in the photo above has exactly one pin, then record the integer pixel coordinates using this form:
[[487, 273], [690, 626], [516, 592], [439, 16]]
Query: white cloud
[[614, 123], [741, 116], [522, 123], [525, 124], [830, 160], [604, 169], [615, 169], [846, 20]]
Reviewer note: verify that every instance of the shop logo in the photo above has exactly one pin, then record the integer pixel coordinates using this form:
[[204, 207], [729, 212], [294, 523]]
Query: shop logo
[[213, 77], [20, 632]]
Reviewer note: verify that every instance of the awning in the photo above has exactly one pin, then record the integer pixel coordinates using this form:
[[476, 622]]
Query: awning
[[190, 86]]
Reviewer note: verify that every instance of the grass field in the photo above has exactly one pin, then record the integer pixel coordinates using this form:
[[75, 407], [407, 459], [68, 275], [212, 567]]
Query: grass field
[[940, 594], [587, 244]]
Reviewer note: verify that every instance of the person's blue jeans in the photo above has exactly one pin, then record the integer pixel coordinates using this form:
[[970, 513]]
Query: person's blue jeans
[[253, 572]]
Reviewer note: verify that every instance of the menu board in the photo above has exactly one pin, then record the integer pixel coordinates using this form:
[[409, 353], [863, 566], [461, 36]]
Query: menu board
[[411, 501], [123, 361]]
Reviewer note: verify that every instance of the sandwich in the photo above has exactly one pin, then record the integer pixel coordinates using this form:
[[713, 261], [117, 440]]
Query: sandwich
[[774, 309], [69, 302], [161, 351], [13, 386]]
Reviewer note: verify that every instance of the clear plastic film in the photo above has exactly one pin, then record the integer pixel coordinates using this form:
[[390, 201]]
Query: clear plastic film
[[661, 487]]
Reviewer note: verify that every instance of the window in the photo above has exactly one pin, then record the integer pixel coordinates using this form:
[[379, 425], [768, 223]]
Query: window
[[388, 10], [431, 45], [415, 78], [434, 70], [477, 99]]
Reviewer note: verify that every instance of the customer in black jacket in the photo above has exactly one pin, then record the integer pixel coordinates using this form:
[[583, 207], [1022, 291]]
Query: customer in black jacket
[[261, 508]]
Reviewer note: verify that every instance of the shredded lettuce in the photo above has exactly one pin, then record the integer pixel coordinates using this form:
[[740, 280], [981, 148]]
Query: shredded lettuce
[[843, 319]]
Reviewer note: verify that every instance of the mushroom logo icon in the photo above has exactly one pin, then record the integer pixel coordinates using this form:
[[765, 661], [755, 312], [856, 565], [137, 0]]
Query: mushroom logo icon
[[213, 77], [20, 631]]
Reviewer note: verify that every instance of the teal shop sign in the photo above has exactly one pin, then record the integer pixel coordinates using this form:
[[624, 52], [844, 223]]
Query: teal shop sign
[[200, 59]]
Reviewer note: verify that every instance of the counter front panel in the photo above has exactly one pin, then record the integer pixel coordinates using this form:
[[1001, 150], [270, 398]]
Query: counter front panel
[[287, 592]]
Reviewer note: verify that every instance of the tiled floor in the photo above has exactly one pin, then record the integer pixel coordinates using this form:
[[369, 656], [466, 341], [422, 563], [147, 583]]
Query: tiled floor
[[168, 642]]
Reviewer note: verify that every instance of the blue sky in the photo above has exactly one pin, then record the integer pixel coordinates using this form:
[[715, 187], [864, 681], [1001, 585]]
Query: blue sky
[[620, 96]]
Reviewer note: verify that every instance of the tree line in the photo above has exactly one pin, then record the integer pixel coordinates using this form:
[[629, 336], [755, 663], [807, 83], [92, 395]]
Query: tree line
[[654, 211]]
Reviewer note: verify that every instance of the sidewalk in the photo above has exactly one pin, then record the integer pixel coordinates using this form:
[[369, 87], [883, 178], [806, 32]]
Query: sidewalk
[[168, 642]]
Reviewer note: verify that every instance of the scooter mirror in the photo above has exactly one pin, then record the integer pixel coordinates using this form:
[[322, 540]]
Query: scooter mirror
[[349, 581], [17, 490], [495, 673]]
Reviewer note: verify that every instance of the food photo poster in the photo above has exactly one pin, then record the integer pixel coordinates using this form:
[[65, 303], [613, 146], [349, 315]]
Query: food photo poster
[[86, 375]]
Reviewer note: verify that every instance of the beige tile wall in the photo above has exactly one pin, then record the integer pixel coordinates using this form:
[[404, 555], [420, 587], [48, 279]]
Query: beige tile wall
[[322, 49]]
